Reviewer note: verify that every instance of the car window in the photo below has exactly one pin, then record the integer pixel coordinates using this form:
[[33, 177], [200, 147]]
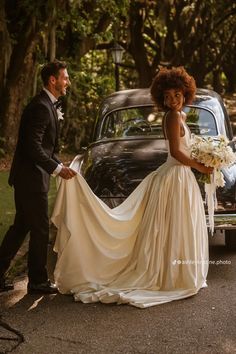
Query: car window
[[201, 121], [147, 121]]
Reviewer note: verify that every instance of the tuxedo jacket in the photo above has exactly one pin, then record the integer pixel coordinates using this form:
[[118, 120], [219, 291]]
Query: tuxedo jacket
[[34, 159]]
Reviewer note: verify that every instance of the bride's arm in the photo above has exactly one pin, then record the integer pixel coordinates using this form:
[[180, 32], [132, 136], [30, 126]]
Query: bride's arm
[[173, 128]]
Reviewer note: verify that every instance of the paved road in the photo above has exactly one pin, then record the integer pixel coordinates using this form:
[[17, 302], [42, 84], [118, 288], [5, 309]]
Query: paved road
[[205, 323]]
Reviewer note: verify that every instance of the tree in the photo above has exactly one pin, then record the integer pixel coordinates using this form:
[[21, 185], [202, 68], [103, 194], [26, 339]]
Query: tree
[[196, 34], [34, 31], [199, 34], [25, 26]]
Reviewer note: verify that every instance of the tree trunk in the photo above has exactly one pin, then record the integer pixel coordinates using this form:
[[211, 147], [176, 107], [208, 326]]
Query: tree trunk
[[231, 80], [52, 48], [20, 76], [137, 47], [217, 84], [15, 92], [5, 48]]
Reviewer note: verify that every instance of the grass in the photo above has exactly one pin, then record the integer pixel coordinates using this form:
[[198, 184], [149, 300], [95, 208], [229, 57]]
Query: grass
[[7, 207]]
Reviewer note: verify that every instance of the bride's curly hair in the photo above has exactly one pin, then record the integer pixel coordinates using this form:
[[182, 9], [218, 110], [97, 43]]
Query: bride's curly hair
[[174, 78]]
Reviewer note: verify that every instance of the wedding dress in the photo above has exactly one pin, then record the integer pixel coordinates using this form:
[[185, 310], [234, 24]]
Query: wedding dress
[[151, 249]]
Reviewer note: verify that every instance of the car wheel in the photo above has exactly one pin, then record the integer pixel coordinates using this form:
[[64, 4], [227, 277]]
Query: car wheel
[[230, 239]]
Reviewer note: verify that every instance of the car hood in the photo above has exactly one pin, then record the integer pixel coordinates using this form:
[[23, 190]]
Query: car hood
[[115, 168]]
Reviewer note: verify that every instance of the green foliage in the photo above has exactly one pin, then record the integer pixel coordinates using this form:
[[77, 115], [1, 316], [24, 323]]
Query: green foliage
[[193, 116], [7, 209], [166, 39], [84, 17], [200, 35], [91, 82]]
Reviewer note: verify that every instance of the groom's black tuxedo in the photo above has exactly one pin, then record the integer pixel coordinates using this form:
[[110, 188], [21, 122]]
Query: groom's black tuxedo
[[34, 160]]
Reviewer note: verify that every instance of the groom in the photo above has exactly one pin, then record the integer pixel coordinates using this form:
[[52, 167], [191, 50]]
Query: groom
[[33, 163]]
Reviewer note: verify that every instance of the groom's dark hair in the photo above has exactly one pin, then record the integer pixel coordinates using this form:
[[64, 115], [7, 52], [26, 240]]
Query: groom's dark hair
[[52, 69]]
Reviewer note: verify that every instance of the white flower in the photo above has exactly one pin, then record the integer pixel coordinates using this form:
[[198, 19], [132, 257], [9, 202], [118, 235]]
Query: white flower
[[213, 152], [216, 153], [60, 114]]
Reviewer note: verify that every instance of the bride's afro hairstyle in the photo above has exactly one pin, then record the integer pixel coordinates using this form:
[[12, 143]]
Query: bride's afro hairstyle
[[174, 78]]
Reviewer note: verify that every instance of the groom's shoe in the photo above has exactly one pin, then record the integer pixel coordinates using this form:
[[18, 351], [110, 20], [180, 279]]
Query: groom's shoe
[[5, 285], [42, 288]]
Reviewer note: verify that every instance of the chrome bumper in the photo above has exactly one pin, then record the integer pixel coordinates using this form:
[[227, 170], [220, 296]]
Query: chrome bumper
[[224, 221]]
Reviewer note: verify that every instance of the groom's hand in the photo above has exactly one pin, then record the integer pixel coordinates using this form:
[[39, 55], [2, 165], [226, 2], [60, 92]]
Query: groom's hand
[[67, 172]]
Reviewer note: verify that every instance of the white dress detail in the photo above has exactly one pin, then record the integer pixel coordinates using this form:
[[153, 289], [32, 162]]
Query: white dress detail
[[151, 249]]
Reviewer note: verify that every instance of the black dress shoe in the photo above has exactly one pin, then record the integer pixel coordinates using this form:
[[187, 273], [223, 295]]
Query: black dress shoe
[[5, 285], [42, 288]]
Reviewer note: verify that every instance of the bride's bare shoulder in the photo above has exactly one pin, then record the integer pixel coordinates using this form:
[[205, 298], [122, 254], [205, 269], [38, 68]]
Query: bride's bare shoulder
[[172, 118], [184, 115]]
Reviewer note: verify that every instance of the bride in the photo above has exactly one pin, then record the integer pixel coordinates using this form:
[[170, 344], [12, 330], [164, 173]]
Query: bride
[[152, 248]]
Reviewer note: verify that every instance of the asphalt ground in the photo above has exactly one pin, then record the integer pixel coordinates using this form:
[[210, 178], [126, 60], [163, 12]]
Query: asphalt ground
[[204, 323]]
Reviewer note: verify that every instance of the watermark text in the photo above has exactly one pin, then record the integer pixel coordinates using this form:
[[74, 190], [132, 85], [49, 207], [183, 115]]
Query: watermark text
[[191, 261]]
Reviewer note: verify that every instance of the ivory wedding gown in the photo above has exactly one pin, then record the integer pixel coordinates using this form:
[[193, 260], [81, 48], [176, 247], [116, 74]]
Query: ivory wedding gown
[[151, 249]]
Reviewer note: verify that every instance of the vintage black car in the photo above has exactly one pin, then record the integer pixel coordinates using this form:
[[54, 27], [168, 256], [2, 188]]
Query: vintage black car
[[128, 144]]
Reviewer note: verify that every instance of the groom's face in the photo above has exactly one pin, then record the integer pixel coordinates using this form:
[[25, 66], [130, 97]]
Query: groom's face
[[62, 82]]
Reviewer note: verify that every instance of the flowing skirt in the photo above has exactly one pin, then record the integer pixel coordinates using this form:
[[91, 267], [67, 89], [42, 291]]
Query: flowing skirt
[[151, 249]]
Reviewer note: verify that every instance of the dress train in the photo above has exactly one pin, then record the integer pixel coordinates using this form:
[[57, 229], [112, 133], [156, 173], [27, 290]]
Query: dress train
[[151, 249]]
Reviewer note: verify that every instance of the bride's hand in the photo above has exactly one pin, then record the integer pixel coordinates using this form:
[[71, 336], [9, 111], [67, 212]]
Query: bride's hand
[[204, 169], [67, 172]]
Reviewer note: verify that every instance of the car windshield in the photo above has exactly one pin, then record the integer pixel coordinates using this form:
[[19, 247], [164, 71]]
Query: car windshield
[[146, 121]]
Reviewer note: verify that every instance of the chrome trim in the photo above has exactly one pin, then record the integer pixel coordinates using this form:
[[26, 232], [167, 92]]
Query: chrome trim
[[224, 221]]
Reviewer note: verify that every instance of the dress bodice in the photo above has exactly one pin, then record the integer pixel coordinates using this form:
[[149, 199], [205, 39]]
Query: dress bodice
[[185, 143]]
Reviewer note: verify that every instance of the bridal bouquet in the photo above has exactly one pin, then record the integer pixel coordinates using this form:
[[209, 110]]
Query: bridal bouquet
[[212, 152]]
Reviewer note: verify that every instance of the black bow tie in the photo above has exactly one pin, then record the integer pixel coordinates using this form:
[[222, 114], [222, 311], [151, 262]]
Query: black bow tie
[[57, 104]]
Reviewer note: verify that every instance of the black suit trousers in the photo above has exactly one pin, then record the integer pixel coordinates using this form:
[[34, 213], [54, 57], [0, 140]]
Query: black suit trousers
[[31, 216]]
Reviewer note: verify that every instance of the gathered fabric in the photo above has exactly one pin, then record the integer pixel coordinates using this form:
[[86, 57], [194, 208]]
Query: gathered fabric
[[151, 249]]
